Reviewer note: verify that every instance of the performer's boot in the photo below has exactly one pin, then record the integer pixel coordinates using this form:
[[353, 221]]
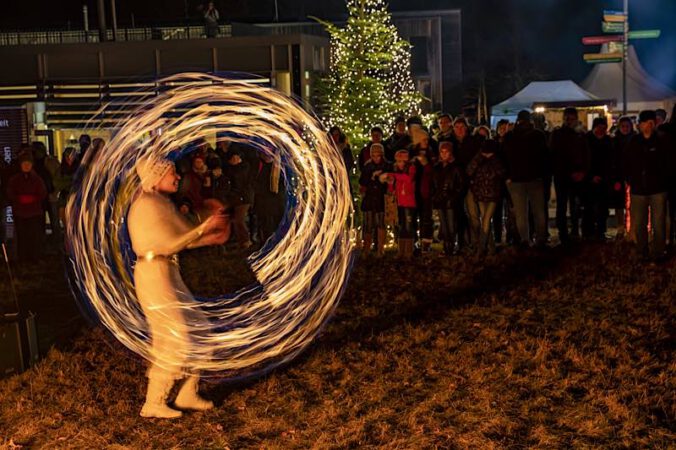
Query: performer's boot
[[156, 399], [188, 398], [366, 244], [380, 245]]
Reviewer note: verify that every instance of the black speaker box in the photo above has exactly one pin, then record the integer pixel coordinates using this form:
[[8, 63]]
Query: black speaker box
[[18, 343]]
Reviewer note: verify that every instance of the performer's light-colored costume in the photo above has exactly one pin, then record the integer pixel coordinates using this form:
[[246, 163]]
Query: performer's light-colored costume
[[158, 232]]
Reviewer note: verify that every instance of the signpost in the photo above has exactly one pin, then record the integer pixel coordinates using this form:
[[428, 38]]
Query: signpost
[[645, 34], [596, 58], [612, 27], [599, 40], [615, 16], [616, 24]]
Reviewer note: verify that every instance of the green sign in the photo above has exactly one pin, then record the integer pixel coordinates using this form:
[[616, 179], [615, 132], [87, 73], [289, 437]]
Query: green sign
[[645, 34], [612, 27], [603, 61]]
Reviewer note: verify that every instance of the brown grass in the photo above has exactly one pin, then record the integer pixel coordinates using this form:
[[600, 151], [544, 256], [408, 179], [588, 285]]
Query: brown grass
[[567, 349]]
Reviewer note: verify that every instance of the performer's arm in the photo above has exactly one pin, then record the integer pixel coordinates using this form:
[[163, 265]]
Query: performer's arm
[[212, 231]]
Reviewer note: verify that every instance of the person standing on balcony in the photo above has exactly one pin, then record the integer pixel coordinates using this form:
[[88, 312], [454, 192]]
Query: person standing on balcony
[[211, 17]]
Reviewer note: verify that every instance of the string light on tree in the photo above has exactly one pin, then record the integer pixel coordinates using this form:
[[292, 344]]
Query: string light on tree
[[370, 80]]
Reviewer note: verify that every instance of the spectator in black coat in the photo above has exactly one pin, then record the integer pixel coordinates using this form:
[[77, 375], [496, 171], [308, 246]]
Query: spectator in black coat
[[648, 167], [525, 150], [39, 166], [504, 207], [399, 140], [365, 153], [669, 129], [240, 197], [373, 200], [270, 196], [445, 134], [465, 147], [616, 185], [340, 140], [571, 164], [448, 190], [596, 205]]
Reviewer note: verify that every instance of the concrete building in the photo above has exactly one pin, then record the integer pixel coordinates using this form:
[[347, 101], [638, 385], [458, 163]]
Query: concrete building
[[60, 79], [57, 80]]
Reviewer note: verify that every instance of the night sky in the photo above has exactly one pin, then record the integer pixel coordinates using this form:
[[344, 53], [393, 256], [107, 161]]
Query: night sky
[[526, 39]]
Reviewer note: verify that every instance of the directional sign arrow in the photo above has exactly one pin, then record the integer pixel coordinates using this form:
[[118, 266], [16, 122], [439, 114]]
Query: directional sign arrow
[[603, 61], [645, 34], [612, 27], [598, 40], [601, 56]]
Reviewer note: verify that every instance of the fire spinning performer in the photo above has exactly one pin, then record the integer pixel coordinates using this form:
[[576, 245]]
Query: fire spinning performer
[[158, 232]]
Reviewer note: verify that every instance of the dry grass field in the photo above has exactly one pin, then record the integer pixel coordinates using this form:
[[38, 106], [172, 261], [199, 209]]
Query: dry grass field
[[568, 348]]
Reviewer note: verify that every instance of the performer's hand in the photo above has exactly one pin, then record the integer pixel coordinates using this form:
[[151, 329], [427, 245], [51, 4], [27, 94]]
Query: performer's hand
[[216, 229]]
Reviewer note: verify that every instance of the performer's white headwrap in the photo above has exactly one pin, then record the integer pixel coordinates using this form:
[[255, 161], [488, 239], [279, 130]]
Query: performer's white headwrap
[[151, 171]]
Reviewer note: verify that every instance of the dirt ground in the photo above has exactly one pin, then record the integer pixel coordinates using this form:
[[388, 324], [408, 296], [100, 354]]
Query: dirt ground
[[567, 348]]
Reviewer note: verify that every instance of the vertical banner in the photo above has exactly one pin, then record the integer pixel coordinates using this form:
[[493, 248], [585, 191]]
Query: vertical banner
[[13, 133]]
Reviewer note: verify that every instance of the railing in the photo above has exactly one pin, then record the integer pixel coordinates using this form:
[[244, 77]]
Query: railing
[[123, 34]]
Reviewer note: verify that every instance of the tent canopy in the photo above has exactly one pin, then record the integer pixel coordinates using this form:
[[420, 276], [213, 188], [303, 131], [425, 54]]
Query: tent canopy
[[643, 91], [542, 92]]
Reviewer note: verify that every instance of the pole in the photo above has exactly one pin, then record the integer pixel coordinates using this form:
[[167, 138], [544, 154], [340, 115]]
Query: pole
[[276, 12], [102, 20], [113, 12], [625, 58], [11, 281], [85, 19]]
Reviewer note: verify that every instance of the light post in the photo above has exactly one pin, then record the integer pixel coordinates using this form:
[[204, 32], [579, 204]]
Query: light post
[[626, 56]]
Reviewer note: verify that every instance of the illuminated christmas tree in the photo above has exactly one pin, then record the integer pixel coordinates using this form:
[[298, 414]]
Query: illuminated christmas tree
[[370, 80]]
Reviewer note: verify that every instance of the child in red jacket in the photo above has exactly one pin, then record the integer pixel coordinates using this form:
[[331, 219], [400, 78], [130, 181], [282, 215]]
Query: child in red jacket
[[402, 182]]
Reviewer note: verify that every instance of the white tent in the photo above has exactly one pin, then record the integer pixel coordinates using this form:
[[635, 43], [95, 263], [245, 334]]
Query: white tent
[[540, 92], [643, 91]]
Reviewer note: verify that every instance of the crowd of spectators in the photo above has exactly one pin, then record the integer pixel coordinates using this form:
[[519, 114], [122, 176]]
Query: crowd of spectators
[[470, 189], [474, 188], [247, 183]]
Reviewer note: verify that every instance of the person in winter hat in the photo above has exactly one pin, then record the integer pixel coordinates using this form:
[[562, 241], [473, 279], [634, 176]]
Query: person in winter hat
[[373, 199], [365, 153], [158, 232]]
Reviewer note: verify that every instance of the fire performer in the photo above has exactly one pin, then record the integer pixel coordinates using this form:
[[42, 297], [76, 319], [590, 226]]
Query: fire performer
[[158, 232]]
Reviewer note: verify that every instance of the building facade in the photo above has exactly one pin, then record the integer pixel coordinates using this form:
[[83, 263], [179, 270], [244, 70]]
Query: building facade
[[63, 86]]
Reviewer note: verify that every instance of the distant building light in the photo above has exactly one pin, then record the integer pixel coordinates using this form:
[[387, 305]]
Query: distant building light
[[540, 109]]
